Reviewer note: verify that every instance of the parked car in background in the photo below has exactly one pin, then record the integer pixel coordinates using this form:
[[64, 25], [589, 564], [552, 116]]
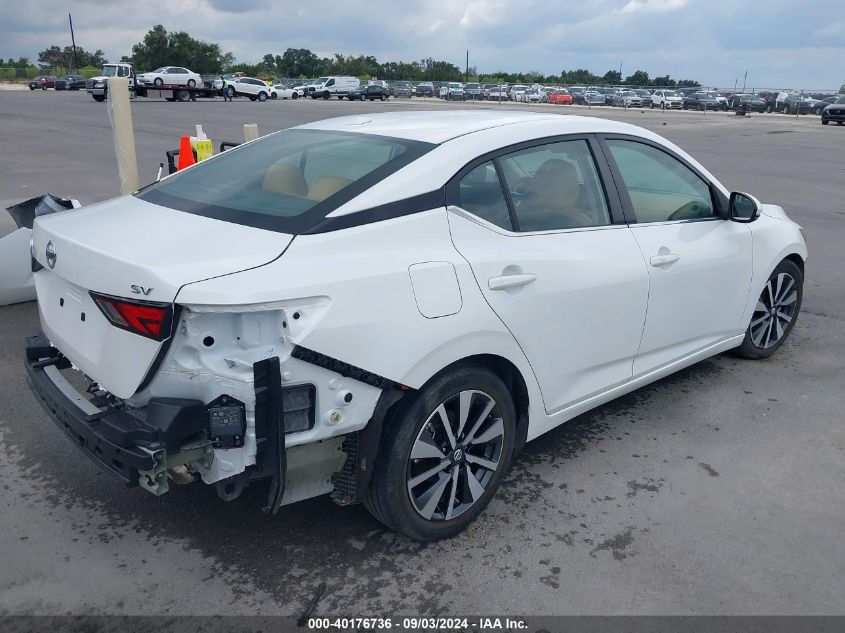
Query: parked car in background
[[793, 103], [589, 98], [403, 89], [370, 92], [452, 91], [609, 94], [560, 97], [824, 102], [43, 82], [251, 87], [497, 93], [834, 112], [667, 99], [299, 322], [644, 95], [532, 95], [424, 89], [516, 90], [473, 92], [171, 76], [70, 82], [290, 90], [748, 102], [627, 99], [701, 101]]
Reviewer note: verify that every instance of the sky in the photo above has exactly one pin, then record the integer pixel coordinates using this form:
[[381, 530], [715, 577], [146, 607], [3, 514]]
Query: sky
[[780, 43]]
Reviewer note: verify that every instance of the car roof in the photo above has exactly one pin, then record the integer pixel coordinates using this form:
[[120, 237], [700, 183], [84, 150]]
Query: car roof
[[439, 127]]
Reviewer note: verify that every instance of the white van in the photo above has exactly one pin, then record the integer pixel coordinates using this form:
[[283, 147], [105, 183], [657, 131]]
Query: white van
[[325, 87]]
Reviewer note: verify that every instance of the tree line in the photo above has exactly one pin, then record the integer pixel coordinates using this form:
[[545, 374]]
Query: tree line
[[177, 48]]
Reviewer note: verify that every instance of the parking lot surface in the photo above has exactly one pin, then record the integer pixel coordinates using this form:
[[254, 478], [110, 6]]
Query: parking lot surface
[[715, 491]]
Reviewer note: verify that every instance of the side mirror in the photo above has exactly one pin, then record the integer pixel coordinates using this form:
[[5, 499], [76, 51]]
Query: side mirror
[[743, 207]]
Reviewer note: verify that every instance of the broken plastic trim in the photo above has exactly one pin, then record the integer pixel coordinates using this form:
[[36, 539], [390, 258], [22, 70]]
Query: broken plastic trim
[[24, 213], [339, 367], [270, 428]]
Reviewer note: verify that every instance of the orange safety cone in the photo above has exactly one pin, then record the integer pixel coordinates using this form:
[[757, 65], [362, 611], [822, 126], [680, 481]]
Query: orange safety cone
[[186, 154]]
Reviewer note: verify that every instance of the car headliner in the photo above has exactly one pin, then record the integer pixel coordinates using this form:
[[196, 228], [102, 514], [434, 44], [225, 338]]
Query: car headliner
[[439, 127]]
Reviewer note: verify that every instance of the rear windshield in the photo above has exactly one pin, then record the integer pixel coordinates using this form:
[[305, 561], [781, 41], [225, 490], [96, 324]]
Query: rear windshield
[[288, 181]]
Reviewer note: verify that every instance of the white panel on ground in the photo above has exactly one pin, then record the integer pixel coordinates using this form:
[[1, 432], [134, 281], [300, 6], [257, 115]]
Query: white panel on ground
[[15, 268]]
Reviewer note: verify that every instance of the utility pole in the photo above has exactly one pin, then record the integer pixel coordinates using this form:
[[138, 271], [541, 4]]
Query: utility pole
[[73, 41], [466, 69], [743, 80]]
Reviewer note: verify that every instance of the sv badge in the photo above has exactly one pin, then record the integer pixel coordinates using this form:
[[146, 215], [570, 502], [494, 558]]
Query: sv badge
[[140, 290]]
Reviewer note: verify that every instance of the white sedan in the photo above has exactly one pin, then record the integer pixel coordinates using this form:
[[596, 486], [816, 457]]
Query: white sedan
[[290, 92], [251, 87], [170, 76], [386, 307]]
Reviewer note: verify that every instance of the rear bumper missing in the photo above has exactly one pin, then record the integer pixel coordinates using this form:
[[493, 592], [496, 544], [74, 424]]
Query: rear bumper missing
[[121, 444], [81, 425]]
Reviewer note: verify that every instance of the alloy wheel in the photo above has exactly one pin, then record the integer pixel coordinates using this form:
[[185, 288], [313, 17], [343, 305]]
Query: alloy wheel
[[774, 312], [455, 455]]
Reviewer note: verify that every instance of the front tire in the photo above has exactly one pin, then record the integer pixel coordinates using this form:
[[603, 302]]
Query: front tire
[[775, 313], [158, 82], [443, 455]]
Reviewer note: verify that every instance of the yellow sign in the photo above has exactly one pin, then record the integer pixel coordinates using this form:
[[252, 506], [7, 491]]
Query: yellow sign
[[203, 148]]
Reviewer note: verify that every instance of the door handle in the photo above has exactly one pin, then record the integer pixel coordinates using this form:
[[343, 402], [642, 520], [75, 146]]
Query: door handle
[[510, 281], [664, 260]]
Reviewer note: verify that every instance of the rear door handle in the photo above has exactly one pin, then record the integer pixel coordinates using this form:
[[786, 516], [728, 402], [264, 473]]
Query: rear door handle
[[510, 281], [664, 260]]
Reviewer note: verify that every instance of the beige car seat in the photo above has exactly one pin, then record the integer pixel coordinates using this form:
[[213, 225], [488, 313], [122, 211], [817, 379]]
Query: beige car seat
[[286, 179], [551, 200]]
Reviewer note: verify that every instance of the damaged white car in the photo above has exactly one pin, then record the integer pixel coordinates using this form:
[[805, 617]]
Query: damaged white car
[[385, 308]]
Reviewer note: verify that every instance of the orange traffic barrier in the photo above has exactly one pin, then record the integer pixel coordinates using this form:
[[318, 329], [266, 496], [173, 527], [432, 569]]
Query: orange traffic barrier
[[186, 153]]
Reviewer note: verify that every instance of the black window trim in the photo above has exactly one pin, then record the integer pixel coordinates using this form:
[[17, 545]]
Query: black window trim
[[606, 181], [719, 201], [316, 219]]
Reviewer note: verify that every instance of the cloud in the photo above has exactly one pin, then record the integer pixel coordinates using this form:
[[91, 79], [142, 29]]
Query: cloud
[[836, 30], [653, 6], [713, 41]]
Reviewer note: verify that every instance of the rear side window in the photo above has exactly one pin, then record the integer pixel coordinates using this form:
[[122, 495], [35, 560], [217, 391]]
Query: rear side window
[[661, 187], [286, 181], [481, 194], [555, 186]]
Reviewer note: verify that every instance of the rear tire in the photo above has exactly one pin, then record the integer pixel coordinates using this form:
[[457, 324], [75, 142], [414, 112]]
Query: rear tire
[[452, 495], [364, 97], [101, 98], [192, 83], [825, 120], [183, 95], [262, 96], [383, 97], [775, 314], [295, 95]]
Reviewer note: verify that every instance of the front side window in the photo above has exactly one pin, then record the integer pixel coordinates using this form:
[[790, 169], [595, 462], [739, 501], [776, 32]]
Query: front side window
[[555, 186], [286, 181], [661, 187]]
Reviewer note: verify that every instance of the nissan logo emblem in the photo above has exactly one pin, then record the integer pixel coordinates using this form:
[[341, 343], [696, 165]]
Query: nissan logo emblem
[[51, 255]]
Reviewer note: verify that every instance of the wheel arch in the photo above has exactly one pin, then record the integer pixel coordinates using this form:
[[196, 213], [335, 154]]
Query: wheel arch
[[393, 402]]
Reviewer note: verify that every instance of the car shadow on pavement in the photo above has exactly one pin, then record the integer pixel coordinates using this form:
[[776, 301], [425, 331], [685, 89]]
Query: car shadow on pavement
[[307, 543]]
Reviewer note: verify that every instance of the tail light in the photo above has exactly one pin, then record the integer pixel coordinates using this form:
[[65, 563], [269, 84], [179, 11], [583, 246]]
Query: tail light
[[145, 318]]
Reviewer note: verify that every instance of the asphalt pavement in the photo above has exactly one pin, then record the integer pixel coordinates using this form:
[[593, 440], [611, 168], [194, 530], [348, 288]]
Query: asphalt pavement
[[715, 491]]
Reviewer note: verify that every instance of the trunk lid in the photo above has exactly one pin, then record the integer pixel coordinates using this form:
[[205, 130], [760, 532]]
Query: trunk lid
[[134, 249]]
